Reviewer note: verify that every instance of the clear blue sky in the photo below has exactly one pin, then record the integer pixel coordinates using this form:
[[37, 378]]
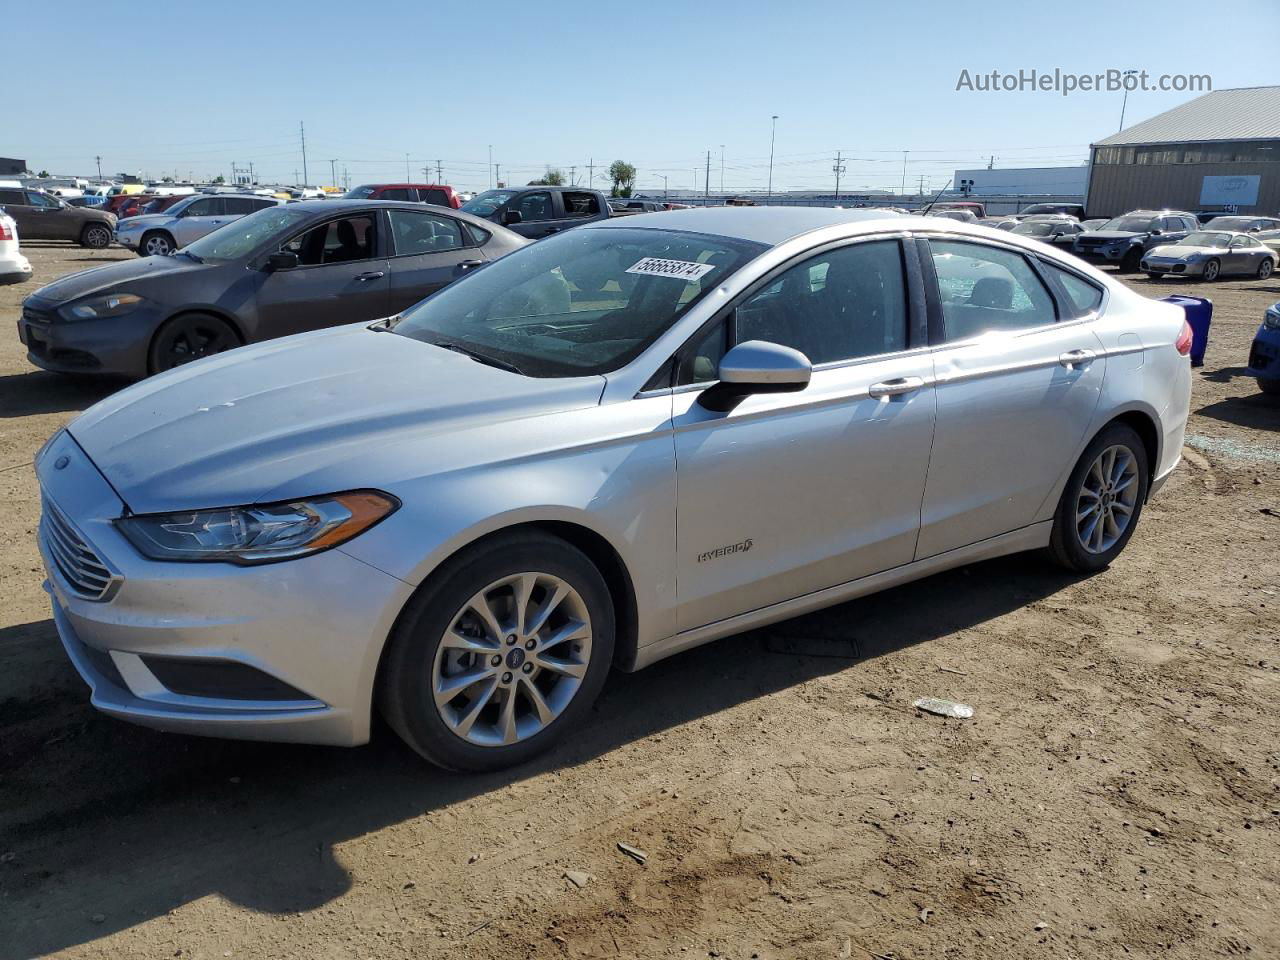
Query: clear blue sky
[[656, 83]]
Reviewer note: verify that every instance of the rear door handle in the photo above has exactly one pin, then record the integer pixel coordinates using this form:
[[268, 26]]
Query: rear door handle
[[896, 387], [372, 275], [1076, 358]]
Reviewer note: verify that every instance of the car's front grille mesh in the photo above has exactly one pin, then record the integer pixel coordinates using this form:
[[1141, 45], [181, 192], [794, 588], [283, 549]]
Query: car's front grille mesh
[[80, 567]]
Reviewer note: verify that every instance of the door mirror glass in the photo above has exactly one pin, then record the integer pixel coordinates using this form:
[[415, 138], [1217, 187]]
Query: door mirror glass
[[282, 260], [510, 217], [757, 366]]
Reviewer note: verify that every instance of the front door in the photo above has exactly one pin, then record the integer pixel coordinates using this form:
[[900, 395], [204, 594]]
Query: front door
[[342, 277], [791, 493], [538, 216], [429, 251], [1016, 389]]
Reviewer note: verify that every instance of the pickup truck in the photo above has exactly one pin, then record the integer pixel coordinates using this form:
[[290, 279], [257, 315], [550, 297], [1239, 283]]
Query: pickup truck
[[535, 212]]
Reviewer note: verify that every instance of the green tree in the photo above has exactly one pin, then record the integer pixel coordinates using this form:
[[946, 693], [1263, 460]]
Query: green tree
[[219, 179], [552, 178], [42, 174], [623, 176]]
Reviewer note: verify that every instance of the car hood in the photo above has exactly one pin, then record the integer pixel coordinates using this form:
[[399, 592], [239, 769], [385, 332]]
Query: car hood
[[284, 418], [1182, 251], [145, 220], [113, 276], [1109, 235]]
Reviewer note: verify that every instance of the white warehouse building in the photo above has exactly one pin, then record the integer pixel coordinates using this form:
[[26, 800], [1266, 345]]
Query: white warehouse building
[[1023, 181]]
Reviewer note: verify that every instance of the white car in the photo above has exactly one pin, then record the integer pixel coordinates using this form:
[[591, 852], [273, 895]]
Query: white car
[[14, 267]]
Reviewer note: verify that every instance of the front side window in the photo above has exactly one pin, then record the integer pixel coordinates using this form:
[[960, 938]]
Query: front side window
[[338, 241], [204, 207], [423, 232], [985, 289], [535, 206], [41, 200], [580, 302], [244, 236], [846, 303], [486, 203]]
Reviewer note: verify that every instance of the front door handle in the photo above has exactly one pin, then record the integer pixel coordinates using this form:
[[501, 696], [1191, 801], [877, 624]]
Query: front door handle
[[896, 387], [372, 275], [470, 264], [1076, 358]]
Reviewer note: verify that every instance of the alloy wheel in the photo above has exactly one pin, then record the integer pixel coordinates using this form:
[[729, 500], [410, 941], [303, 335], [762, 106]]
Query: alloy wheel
[[512, 659], [1264, 269], [1107, 499], [194, 340], [97, 237], [1211, 270], [157, 246]]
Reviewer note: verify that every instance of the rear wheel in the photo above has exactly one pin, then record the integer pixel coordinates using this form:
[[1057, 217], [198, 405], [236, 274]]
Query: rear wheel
[[1211, 271], [156, 244], [1265, 268], [1269, 386], [1132, 261], [1102, 501], [500, 654], [95, 236], [190, 337]]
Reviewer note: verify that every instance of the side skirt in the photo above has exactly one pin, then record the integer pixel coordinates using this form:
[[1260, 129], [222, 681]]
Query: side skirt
[[1032, 537]]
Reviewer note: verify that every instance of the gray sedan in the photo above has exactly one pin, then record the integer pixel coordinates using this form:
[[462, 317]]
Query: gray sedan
[[159, 234], [612, 445], [1210, 254]]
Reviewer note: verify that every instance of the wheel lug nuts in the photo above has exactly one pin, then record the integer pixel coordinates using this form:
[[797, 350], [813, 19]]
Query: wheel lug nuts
[[496, 661], [528, 667], [530, 644], [506, 677], [511, 640]]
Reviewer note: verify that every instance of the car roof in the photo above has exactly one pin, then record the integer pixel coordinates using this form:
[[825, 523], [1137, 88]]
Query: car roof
[[771, 225]]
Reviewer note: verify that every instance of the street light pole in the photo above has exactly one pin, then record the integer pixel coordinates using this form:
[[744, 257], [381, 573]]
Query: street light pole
[[407, 177], [333, 172], [773, 136], [722, 168], [1125, 102], [903, 188], [491, 166]]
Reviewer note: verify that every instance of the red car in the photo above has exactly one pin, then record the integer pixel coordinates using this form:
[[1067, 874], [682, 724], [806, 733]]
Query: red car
[[141, 203], [441, 196]]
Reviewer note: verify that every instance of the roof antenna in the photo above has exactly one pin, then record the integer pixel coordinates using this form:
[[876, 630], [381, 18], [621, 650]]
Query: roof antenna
[[926, 210]]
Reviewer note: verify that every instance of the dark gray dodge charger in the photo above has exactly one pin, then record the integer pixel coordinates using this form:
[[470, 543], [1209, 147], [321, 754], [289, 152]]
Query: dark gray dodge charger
[[284, 270]]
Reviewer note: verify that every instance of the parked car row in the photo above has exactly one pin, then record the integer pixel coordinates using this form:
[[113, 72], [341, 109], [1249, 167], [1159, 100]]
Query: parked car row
[[41, 216]]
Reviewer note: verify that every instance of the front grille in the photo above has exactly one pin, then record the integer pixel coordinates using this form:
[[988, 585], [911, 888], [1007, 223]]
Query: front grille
[[80, 567]]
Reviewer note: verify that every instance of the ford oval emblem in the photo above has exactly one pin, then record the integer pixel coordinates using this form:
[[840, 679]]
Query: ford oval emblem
[[61, 462]]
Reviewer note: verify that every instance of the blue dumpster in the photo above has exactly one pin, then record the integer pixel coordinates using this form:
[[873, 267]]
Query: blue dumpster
[[1199, 311]]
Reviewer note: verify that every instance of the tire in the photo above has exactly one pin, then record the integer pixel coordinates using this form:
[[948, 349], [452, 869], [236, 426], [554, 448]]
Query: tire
[[1154, 276], [1269, 386], [96, 236], [418, 660], [157, 243], [1131, 262], [1076, 544], [1212, 270], [1265, 268], [189, 337]]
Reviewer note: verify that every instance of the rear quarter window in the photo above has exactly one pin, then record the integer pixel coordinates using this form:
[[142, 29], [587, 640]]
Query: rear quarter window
[[1082, 297]]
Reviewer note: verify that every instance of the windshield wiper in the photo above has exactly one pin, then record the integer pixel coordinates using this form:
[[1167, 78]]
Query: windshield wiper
[[480, 357]]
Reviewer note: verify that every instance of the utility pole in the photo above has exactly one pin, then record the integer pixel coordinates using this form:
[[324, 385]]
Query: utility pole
[[302, 130], [706, 193], [573, 176], [921, 189], [991, 162], [664, 185], [497, 177], [333, 172], [903, 189], [406, 168], [838, 169], [591, 173], [722, 168], [346, 179], [439, 172], [773, 135], [253, 178], [99, 159], [491, 166]]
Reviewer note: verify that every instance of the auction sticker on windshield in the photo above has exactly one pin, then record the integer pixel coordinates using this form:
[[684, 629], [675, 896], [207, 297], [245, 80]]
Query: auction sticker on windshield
[[680, 269]]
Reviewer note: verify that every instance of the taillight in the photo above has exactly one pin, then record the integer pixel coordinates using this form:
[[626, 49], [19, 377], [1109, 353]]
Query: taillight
[[1183, 343], [5, 232]]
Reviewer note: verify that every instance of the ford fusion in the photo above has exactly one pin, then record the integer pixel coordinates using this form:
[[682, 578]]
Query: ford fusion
[[603, 449]]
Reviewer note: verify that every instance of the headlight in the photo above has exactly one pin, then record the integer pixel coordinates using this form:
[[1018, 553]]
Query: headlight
[[1271, 319], [258, 534], [94, 308]]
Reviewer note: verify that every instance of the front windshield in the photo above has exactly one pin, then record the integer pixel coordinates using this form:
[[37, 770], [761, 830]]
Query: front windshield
[[1230, 223], [1205, 240], [1129, 224], [1034, 229], [239, 238], [578, 303], [359, 193], [484, 204]]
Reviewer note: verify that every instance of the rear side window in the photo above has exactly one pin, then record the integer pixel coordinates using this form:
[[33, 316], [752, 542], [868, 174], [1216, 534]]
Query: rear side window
[[985, 289], [415, 233], [12, 196], [479, 236], [438, 197], [580, 204], [238, 206], [1083, 298]]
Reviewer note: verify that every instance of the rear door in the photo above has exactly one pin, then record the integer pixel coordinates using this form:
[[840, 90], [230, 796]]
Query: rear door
[[1018, 379], [14, 203], [198, 218], [342, 277], [429, 250]]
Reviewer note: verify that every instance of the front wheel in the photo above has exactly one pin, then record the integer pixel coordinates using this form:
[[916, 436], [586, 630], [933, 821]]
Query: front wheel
[[188, 338], [96, 236], [1102, 501], [500, 654], [1154, 276], [1211, 271], [1265, 268], [157, 244]]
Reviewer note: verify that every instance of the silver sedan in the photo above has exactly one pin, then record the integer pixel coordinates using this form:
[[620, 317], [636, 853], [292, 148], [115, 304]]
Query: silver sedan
[[1210, 254], [610, 446]]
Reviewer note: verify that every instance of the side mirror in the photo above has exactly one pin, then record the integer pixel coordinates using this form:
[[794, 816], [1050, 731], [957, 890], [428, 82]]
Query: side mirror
[[282, 260], [510, 217], [1156, 232], [756, 367]]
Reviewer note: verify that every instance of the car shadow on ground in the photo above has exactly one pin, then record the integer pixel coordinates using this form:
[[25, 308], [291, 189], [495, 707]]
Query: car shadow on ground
[[38, 391], [1257, 411], [132, 823]]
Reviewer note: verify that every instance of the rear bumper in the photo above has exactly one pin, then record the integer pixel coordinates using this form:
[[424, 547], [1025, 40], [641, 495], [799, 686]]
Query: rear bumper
[[14, 269]]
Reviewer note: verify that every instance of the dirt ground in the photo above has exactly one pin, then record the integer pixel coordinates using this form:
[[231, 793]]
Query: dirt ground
[[1117, 793]]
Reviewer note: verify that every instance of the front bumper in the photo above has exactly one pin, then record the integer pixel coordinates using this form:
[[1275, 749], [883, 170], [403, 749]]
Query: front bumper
[[1183, 268], [1264, 354], [1101, 254], [113, 345], [302, 638], [127, 239]]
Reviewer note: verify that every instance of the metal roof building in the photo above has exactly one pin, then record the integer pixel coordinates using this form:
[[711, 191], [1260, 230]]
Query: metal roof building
[[1218, 152]]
